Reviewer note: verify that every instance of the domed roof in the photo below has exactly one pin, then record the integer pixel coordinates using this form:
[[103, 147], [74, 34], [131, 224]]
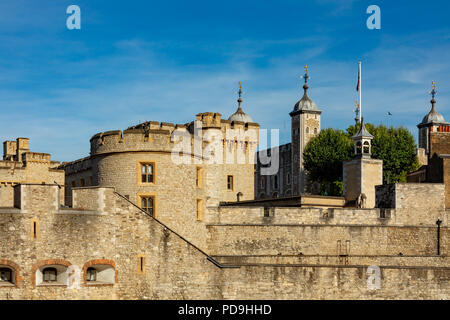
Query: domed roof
[[433, 116], [305, 103], [240, 115]]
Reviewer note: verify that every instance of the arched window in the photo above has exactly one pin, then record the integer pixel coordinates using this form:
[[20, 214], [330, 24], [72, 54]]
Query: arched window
[[51, 272], [91, 274], [49, 275], [315, 130], [307, 129], [101, 272], [366, 148], [147, 204], [275, 182]]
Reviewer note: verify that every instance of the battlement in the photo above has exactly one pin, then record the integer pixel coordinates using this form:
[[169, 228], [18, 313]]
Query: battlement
[[152, 138], [158, 136], [46, 198], [36, 157], [13, 150], [209, 119], [76, 166]]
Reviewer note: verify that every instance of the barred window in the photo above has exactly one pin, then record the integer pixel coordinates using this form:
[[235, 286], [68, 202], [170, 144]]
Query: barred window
[[5, 275], [147, 173], [49, 274], [91, 274]]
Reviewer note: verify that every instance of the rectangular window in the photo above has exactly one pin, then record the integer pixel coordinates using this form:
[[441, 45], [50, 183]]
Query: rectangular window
[[199, 210], [74, 184], [90, 181], [147, 172], [230, 182], [148, 204], [82, 183], [199, 178]]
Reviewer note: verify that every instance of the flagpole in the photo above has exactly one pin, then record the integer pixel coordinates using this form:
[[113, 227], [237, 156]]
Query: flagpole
[[360, 95]]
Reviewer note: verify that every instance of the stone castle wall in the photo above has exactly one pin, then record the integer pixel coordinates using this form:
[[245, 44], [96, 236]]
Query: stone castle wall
[[119, 232], [19, 165], [105, 228], [325, 240]]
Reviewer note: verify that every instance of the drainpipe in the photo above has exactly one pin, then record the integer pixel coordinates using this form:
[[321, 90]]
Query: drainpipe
[[438, 222]]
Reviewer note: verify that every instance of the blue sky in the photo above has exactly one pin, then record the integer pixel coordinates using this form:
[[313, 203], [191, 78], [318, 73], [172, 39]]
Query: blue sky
[[169, 60]]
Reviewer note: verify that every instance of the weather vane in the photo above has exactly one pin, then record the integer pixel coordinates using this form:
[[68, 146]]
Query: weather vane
[[433, 91], [306, 77]]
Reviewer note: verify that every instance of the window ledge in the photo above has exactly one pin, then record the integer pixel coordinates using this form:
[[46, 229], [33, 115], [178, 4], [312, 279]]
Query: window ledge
[[98, 284], [7, 285], [51, 285]]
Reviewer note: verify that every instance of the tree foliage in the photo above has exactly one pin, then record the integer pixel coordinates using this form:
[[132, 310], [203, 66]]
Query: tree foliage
[[396, 147], [325, 153], [323, 157]]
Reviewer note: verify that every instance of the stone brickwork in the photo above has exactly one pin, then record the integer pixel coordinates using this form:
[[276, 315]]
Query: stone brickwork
[[437, 165], [151, 261], [420, 196], [118, 234], [360, 176], [439, 143], [116, 159], [19, 165], [295, 239]]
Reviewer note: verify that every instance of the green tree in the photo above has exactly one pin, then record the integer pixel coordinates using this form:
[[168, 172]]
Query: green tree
[[325, 153], [396, 147], [323, 157]]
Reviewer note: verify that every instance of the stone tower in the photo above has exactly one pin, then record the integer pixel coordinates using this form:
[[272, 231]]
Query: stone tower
[[305, 122], [429, 123], [362, 174]]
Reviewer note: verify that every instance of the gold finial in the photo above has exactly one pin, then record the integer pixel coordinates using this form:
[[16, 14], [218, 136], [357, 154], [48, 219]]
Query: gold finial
[[240, 86], [432, 85], [306, 69]]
